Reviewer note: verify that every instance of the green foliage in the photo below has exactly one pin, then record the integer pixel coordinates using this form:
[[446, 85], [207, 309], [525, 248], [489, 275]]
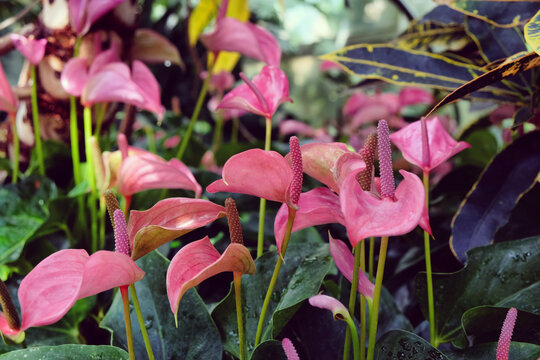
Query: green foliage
[[67, 352]]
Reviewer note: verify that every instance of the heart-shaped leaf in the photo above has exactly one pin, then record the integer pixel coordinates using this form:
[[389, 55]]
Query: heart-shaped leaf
[[488, 206], [301, 275], [196, 336], [69, 351], [492, 275]]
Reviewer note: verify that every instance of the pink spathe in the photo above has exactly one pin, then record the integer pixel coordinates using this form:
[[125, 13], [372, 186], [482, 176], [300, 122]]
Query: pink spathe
[[8, 102], [83, 13], [441, 146], [339, 311], [199, 261], [32, 49], [267, 90]]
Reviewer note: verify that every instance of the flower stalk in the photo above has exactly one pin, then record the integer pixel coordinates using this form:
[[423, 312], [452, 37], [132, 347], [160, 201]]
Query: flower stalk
[[262, 204], [429, 278], [16, 149], [91, 178], [35, 119]]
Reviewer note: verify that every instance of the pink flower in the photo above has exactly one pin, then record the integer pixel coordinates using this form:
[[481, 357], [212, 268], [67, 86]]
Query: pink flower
[[8, 102], [413, 95], [32, 49], [52, 287], [83, 13], [503, 346], [392, 212], [115, 82], [289, 127], [168, 220], [440, 145], [246, 38], [198, 261], [289, 349], [339, 311], [344, 260], [269, 89]]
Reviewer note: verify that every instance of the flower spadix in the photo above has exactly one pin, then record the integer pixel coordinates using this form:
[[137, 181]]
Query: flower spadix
[[262, 95], [426, 144], [503, 346], [200, 260], [393, 211], [264, 174]]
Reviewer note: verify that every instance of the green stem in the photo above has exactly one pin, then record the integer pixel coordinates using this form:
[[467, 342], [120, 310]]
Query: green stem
[[352, 299], [16, 149], [101, 108], [218, 132], [354, 334], [363, 305], [374, 315], [262, 204], [91, 176], [195, 115], [238, 296], [287, 236], [427, 250], [371, 257], [127, 320], [74, 135], [234, 130], [35, 118], [149, 132], [102, 216], [140, 319]]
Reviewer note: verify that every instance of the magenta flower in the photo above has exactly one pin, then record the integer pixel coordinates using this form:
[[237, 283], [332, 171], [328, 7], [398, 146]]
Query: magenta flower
[[262, 96], [288, 348], [290, 127], [264, 174], [440, 145], [393, 211], [503, 346], [339, 311], [32, 49], [412, 96], [8, 102], [52, 287], [344, 260], [246, 38], [199, 260], [83, 13]]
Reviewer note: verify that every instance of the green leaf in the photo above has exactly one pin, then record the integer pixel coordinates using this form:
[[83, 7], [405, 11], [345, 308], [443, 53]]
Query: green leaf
[[532, 33], [489, 351], [521, 225], [269, 350], [492, 274], [301, 276], [23, 211], [488, 205], [484, 146], [484, 323], [400, 344], [67, 352], [405, 66], [497, 13], [196, 336]]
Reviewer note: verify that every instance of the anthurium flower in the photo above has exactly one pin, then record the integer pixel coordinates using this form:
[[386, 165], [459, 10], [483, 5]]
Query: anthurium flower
[[257, 172], [503, 346], [392, 212], [167, 220], [290, 127], [288, 348], [115, 82], [339, 311], [83, 13], [262, 96], [199, 260], [32, 49], [246, 38], [52, 287], [411, 95], [440, 145], [77, 71], [316, 207], [344, 260]]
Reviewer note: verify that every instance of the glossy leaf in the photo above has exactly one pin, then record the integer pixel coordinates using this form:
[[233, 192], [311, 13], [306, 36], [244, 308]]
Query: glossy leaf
[[401, 344], [492, 274], [80, 352], [488, 206], [196, 336], [167, 220], [301, 275], [507, 69], [532, 33], [488, 351], [269, 350], [497, 13], [404, 66], [23, 211]]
